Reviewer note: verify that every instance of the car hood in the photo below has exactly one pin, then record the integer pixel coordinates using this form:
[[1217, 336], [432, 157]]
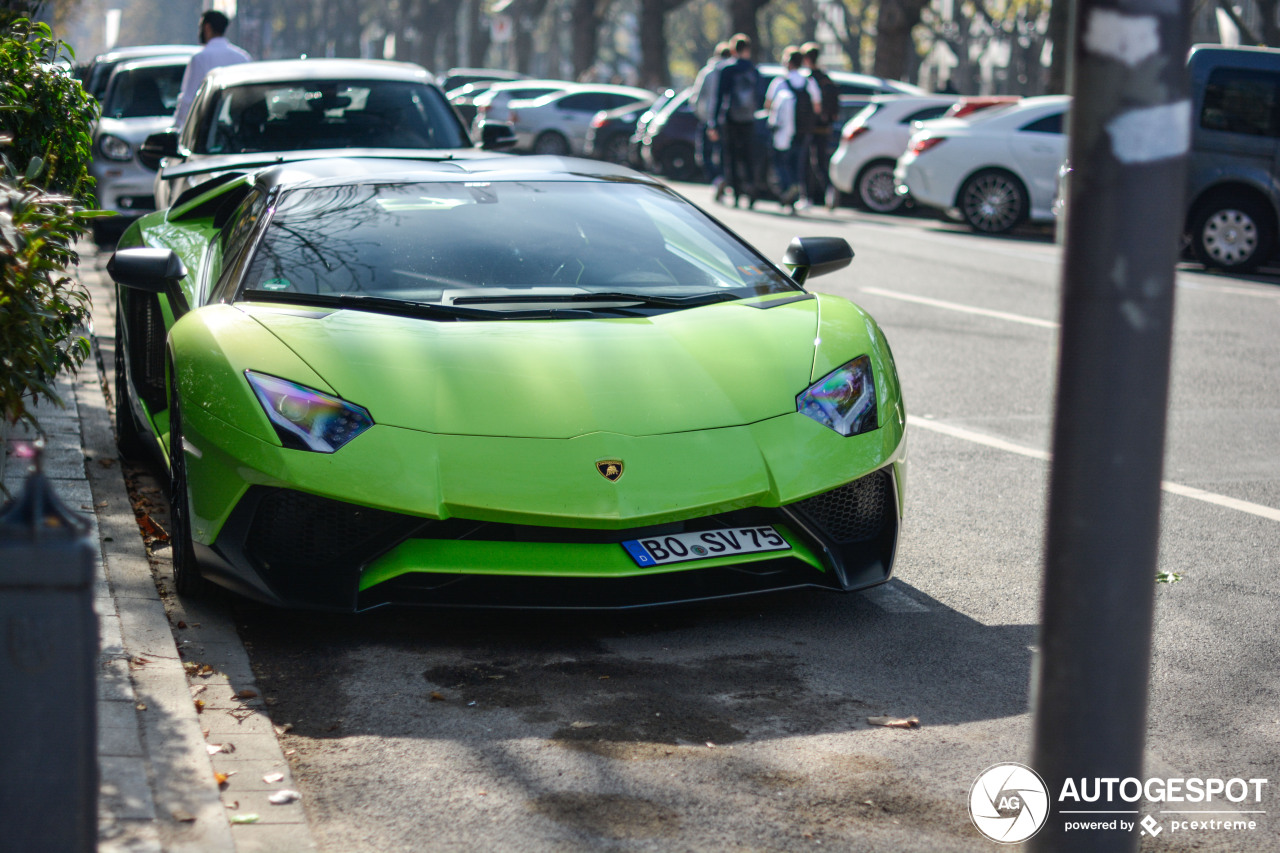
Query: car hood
[[195, 164], [702, 368]]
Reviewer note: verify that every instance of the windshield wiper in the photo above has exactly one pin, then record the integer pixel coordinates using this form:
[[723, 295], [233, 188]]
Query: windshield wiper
[[609, 296], [405, 308]]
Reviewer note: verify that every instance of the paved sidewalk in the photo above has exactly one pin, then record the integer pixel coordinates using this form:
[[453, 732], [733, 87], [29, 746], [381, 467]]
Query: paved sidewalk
[[171, 713]]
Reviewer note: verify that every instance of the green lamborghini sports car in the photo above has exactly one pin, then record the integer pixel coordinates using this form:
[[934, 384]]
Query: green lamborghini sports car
[[507, 382]]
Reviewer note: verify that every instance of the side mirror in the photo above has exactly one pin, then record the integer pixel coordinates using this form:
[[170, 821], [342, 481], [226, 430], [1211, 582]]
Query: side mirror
[[157, 146], [807, 257], [496, 135], [151, 271]]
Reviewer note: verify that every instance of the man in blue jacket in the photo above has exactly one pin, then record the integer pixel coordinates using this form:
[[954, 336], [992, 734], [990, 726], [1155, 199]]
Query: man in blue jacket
[[732, 121]]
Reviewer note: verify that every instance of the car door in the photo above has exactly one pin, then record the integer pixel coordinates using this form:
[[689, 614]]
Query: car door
[[1039, 146], [573, 113], [1237, 134]]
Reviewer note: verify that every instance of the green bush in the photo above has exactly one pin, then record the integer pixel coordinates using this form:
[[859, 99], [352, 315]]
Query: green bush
[[45, 120]]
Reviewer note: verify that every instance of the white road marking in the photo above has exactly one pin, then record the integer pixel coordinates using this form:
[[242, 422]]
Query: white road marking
[[1270, 513], [889, 598], [966, 309]]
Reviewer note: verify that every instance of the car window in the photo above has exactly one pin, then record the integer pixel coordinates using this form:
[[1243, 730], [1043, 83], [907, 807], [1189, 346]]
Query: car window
[[421, 241], [857, 89], [143, 92], [1241, 100], [586, 102], [926, 113], [328, 114], [1045, 124], [236, 239]]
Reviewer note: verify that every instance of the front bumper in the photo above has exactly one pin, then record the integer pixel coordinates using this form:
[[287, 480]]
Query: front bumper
[[290, 548], [400, 516]]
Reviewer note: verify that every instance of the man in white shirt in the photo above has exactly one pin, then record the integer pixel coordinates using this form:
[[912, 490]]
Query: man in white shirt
[[793, 100], [217, 52]]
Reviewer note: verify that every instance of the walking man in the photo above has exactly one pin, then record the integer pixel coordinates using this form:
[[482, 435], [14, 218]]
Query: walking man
[[217, 52], [822, 140], [803, 100], [705, 88], [733, 121]]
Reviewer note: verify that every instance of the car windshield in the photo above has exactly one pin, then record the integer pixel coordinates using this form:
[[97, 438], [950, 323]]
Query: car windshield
[[475, 241], [144, 92], [328, 114]]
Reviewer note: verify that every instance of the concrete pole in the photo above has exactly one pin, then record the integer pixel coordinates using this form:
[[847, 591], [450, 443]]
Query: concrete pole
[[1130, 130]]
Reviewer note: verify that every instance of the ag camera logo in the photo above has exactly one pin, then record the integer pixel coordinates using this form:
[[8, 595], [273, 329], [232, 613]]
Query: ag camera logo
[[1009, 803]]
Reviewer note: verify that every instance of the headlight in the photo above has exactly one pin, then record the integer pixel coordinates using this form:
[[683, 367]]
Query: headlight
[[307, 419], [844, 399], [114, 148]]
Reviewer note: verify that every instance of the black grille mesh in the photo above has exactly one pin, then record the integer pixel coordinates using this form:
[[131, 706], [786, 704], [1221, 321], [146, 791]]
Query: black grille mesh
[[147, 324], [296, 532], [855, 512]]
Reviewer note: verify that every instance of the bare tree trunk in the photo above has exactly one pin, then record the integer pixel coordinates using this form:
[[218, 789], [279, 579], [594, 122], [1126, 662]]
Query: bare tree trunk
[[480, 38], [894, 23], [742, 18], [1060, 35], [654, 73], [585, 26]]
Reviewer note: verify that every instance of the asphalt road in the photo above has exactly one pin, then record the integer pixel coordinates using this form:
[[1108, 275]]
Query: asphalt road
[[744, 725]]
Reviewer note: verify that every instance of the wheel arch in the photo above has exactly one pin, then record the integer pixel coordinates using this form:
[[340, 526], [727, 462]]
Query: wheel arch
[[991, 167], [1230, 191]]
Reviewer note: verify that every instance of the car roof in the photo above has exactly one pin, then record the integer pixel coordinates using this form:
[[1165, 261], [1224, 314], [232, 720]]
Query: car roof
[[150, 62], [138, 51], [305, 70], [341, 171]]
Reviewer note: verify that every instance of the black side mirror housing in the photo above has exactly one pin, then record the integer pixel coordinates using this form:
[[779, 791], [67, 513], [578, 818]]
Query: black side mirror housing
[[157, 146], [497, 135], [158, 271], [807, 257]]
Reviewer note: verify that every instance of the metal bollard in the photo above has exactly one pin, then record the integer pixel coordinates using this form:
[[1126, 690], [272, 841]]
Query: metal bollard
[[48, 667]]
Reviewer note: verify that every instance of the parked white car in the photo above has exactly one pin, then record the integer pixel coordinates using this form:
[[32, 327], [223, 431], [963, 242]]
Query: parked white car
[[491, 105], [558, 123], [870, 145], [994, 171]]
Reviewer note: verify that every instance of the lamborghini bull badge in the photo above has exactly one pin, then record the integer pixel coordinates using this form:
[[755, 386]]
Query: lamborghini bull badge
[[610, 469]]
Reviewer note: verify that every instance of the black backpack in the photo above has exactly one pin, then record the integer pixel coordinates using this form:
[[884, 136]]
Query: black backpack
[[742, 93], [806, 118], [830, 97]]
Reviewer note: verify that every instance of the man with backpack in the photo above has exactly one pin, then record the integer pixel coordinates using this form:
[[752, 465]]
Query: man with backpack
[[732, 121], [791, 100], [822, 140]]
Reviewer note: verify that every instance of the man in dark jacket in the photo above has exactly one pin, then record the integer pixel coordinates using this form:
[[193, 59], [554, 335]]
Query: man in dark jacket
[[732, 121], [822, 139]]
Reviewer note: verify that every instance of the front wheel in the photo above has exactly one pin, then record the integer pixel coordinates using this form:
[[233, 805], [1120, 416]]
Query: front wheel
[[876, 190], [187, 579], [993, 202], [551, 143], [1234, 234]]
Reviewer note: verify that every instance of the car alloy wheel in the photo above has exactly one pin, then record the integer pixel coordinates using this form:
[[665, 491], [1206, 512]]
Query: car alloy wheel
[[551, 143], [186, 574], [876, 190], [993, 202], [1233, 235]]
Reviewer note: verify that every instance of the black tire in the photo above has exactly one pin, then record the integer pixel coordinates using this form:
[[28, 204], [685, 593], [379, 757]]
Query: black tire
[[618, 149], [130, 439], [551, 143], [187, 579], [875, 190], [993, 201], [1233, 234], [678, 162]]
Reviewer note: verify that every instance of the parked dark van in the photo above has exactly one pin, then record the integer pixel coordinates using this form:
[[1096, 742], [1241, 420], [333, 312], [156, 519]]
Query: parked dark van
[[1233, 189]]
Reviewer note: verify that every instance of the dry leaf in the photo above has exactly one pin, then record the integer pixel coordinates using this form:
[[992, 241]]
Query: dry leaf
[[581, 725], [437, 696], [199, 706], [106, 463], [283, 797], [895, 722], [151, 529], [247, 693], [213, 748], [220, 778], [181, 624], [182, 816], [273, 778]]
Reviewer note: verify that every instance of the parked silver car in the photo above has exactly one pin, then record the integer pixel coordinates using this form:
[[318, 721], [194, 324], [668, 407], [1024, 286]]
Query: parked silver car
[[138, 100], [491, 105], [558, 123], [98, 72]]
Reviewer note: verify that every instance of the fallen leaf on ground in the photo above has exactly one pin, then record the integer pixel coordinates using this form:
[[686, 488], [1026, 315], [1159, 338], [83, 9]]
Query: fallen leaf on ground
[[199, 706], [283, 797], [181, 624], [895, 722], [437, 696], [247, 693], [150, 528], [284, 729], [710, 745], [141, 706], [220, 778], [272, 778], [106, 463], [581, 725], [245, 818], [182, 816]]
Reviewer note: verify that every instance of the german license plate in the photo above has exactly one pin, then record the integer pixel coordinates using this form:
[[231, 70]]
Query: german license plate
[[707, 545]]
